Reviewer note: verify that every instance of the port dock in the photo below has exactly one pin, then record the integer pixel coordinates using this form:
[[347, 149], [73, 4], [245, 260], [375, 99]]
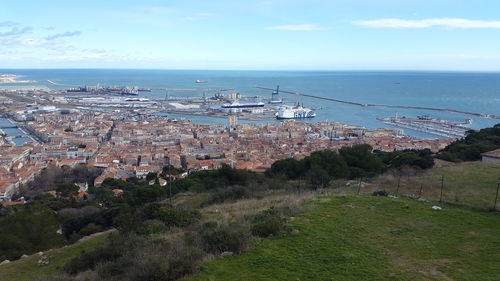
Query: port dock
[[433, 126], [483, 115]]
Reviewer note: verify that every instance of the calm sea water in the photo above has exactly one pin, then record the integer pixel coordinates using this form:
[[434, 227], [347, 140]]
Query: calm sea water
[[475, 92]]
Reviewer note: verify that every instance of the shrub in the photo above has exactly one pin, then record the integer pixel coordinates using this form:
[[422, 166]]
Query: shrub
[[152, 263], [151, 227], [30, 229], [268, 222], [231, 193], [380, 193], [118, 246], [217, 239], [91, 228], [179, 217]]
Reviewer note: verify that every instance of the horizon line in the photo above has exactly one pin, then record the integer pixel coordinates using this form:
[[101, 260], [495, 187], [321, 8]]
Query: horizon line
[[257, 70]]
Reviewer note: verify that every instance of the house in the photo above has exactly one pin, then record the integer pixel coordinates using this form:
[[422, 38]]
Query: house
[[491, 156]]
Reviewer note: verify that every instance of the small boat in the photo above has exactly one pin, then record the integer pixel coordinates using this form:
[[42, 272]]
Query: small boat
[[201, 81]]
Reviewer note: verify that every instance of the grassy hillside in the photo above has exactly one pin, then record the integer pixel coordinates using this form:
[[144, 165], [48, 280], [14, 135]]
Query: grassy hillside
[[27, 269], [372, 238], [468, 183]]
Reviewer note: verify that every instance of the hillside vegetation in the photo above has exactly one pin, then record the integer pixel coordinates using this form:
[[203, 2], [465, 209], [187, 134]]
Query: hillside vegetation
[[29, 268], [372, 238], [471, 147], [307, 219], [468, 183]]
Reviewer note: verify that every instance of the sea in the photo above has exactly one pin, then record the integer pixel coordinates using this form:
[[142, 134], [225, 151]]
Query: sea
[[466, 91]]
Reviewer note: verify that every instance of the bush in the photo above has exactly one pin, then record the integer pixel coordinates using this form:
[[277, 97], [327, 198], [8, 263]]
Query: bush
[[217, 239], [231, 193], [151, 263], [119, 245], [31, 229], [380, 193], [91, 228], [88, 260], [151, 227], [268, 222], [179, 217]]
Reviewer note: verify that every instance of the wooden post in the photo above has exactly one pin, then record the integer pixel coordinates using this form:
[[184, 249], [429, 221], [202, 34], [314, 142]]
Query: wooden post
[[169, 182], [399, 184], [298, 187], [442, 186], [359, 185], [496, 197]]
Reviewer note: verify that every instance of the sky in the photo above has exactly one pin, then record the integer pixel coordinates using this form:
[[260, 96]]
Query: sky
[[458, 35]]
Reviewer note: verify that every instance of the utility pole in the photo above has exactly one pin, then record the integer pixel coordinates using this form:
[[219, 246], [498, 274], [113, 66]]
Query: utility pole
[[442, 186], [496, 197]]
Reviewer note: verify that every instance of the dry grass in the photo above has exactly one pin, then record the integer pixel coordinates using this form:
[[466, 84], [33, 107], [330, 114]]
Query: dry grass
[[231, 211], [468, 183]]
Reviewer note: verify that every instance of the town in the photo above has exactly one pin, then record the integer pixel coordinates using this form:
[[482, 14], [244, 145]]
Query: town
[[127, 144]]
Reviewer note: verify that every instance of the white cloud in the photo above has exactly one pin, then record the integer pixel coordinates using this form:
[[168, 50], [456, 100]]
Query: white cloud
[[297, 27], [65, 34], [427, 23]]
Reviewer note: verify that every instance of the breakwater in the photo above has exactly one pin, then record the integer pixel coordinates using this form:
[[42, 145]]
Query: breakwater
[[483, 115]]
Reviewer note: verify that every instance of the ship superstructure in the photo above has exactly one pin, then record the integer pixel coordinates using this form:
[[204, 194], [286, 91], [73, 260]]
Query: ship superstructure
[[294, 112]]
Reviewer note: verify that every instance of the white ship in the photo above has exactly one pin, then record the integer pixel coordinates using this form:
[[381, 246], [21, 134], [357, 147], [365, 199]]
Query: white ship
[[293, 112]]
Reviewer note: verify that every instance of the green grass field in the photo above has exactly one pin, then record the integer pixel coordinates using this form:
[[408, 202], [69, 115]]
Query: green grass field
[[372, 238], [27, 269]]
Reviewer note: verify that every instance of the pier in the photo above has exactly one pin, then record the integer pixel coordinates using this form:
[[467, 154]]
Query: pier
[[483, 115]]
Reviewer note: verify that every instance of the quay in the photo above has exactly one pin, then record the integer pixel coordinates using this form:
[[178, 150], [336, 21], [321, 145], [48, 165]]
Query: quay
[[483, 115], [433, 126]]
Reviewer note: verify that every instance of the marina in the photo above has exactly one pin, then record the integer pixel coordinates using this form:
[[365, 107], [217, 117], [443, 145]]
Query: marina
[[433, 126]]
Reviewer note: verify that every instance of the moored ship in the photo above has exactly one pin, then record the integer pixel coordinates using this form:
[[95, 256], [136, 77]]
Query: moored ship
[[293, 112]]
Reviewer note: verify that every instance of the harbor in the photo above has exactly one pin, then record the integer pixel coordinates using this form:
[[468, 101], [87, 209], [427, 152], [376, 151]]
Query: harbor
[[433, 126], [482, 115]]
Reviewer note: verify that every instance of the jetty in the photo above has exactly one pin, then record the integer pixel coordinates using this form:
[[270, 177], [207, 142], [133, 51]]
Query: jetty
[[483, 115]]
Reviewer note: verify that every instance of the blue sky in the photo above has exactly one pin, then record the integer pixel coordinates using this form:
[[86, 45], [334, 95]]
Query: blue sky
[[259, 34]]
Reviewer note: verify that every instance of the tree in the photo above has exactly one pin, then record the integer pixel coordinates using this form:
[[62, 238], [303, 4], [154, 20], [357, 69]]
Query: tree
[[67, 190], [151, 176], [32, 229], [473, 145], [318, 177], [361, 161]]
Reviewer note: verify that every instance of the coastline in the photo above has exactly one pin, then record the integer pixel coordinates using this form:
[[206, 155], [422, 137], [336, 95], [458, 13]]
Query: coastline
[[13, 79]]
